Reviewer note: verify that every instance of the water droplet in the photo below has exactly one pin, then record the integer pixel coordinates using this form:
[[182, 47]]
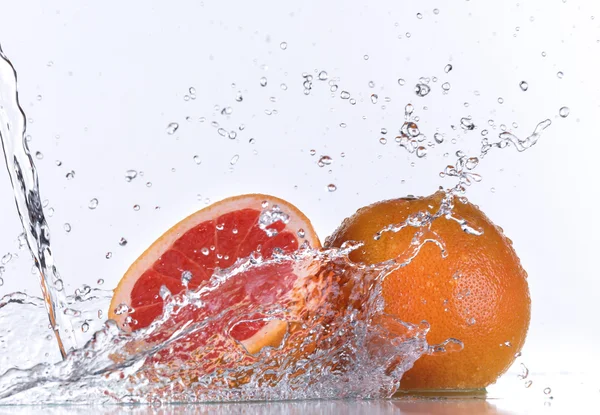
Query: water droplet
[[493, 189], [100, 281], [524, 372], [263, 81], [234, 159], [345, 95], [324, 161], [421, 151], [148, 184], [232, 135], [39, 155], [374, 98], [93, 204], [58, 284], [439, 138], [283, 45], [366, 57], [436, 11], [446, 86], [323, 76], [204, 251], [301, 233], [383, 140], [130, 175], [471, 163], [401, 82], [547, 391], [524, 85], [528, 383], [186, 277], [172, 127], [226, 111], [122, 241], [500, 100], [352, 101], [543, 54], [108, 255], [371, 84], [422, 90], [564, 112], [58, 163], [313, 152], [197, 159], [471, 321], [560, 74], [164, 292], [70, 175], [283, 87], [6, 258], [331, 187], [85, 327], [67, 227], [447, 68], [467, 124]]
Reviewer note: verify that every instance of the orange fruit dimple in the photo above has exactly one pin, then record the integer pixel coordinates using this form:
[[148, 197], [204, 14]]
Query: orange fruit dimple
[[477, 294], [215, 237]]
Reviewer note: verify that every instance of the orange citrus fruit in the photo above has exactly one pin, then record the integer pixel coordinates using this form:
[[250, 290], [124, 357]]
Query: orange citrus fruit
[[210, 239], [478, 293]]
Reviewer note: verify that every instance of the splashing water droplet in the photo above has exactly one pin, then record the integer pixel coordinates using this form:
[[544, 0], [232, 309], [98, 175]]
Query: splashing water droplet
[[524, 372], [324, 161], [564, 112], [524, 85], [93, 204], [186, 277], [172, 127], [466, 123], [130, 175], [422, 90]]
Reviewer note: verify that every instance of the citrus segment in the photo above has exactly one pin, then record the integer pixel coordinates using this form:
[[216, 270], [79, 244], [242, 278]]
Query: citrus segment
[[188, 254]]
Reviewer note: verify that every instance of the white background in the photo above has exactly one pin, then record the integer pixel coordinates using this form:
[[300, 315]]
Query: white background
[[112, 75]]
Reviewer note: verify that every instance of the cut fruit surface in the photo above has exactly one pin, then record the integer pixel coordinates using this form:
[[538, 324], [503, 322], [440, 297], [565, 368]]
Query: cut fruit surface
[[188, 254]]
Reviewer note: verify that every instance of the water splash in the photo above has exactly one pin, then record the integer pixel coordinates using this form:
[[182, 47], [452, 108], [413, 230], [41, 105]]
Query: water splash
[[24, 179], [338, 338]]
